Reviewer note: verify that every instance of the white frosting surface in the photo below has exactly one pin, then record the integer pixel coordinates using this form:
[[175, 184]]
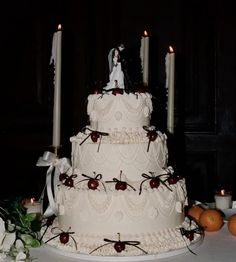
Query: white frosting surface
[[110, 112], [151, 242], [127, 212], [126, 152]]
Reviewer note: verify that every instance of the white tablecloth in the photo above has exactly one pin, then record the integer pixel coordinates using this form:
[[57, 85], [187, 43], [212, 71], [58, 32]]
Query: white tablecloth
[[217, 246]]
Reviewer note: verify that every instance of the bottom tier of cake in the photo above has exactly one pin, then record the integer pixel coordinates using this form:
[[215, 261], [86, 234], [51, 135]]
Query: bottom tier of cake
[[150, 243]]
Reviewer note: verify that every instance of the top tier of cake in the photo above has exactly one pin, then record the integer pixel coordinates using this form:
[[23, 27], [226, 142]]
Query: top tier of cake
[[120, 112], [115, 109]]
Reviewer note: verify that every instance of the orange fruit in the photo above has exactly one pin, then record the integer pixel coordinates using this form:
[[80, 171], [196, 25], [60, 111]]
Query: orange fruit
[[232, 224], [211, 220], [194, 212]]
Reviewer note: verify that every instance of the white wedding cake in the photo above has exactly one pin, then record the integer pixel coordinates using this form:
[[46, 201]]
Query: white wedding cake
[[120, 197]]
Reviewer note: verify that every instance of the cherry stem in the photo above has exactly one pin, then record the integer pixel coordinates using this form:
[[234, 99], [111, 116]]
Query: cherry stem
[[118, 236], [85, 139], [99, 144], [149, 142]]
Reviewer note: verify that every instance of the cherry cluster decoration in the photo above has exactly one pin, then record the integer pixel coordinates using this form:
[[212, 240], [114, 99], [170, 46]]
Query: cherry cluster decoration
[[119, 245], [119, 184], [98, 87], [141, 89], [151, 134], [64, 236], [189, 234], [95, 135], [93, 182], [48, 222], [115, 91], [173, 178], [67, 180], [154, 181], [99, 90]]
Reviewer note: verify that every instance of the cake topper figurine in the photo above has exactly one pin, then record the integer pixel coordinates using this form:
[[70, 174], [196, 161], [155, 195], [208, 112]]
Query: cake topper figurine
[[114, 56], [118, 77]]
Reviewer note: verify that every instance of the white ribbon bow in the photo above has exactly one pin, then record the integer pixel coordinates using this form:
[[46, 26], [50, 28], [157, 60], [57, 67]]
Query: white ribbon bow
[[61, 166]]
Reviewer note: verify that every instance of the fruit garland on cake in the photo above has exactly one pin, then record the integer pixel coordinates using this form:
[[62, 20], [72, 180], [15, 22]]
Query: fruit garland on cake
[[119, 245], [93, 182]]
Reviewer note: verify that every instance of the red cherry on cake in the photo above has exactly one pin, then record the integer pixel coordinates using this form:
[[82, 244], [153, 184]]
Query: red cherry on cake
[[117, 90], [154, 182], [93, 184], [94, 136], [189, 235], [64, 237], [119, 246], [172, 180], [69, 182], [62, 177], [141, 89], [121, 185], [152, 135]]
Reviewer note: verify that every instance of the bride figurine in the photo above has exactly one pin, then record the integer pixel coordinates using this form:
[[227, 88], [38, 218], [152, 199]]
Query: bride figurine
[[116, 78]]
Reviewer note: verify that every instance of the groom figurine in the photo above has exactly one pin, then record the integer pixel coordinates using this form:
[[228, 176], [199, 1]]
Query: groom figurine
[[116, 58]]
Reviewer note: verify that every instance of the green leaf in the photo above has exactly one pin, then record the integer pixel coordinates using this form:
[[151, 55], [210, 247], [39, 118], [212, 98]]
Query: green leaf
[[35, 243], [29, 217], [30, 241], [26, 226], [27, 239]]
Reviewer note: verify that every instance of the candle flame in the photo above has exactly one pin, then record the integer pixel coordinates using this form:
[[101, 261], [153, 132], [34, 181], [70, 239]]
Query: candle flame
[[59, 27], [171, 49], [145, 33]]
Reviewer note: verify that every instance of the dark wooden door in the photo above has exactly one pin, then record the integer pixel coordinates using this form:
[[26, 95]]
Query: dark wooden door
[[208, 98]]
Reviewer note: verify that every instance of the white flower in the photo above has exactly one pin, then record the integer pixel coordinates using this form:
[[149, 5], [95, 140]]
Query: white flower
[[19, 245], [6, 239], [20, 257]]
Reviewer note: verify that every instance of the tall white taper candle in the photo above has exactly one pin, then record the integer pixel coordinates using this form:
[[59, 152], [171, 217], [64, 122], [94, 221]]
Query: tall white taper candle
[[170, 84], [57, 89], [145, 57]]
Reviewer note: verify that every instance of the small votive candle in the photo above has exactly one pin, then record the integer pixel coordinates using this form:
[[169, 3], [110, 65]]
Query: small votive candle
[[33, 206], [223, 199]]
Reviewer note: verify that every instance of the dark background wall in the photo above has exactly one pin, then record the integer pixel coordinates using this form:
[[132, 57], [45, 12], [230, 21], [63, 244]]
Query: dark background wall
[[203, 36]]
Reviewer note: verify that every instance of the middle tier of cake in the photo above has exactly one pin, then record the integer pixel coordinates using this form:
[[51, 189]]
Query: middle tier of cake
[[132, 153]]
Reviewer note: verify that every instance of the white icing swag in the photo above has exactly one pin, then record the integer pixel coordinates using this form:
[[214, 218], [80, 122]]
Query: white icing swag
[[55, 168]]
